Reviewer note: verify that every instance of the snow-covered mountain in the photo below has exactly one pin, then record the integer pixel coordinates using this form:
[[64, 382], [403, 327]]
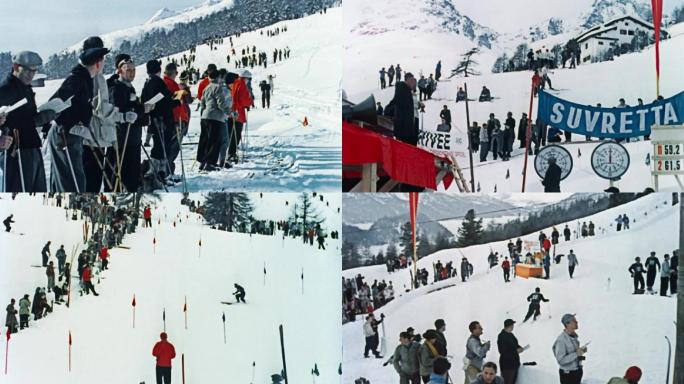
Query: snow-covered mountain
[[604, 10], [161, 14]]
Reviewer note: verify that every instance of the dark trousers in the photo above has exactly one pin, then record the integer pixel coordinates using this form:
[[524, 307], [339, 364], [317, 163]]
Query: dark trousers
[[105, 262], [547, 269], [23, 321], [409, 379], [507, 274], [484, 149], [568, 136], [650, 278], [148, 222], [534, 309], [426, 379], [92, 163], [265, 100], [673, 284], [572, 377], [89, 287], [571, 269], [240, 298], [664, 285], [371, 345], [235, 138], [163, 375], [210, 141], [638, 282], [509, 375], [45, 259]]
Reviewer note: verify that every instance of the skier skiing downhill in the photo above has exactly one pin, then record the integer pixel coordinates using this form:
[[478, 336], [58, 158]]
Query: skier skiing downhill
[[239, 293], [164, 352], [535, 300], [7, 222], [652, 267]]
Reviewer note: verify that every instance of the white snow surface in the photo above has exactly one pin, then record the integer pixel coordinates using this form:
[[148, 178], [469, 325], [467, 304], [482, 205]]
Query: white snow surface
[[629, 76], [282, 155], [103, 337], [624, 330]]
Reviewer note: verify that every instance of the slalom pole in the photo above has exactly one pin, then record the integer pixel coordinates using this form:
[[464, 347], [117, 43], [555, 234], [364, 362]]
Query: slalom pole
[[164, 318], [7, 349], [199, 254], [154, 243], [253, 371], [185, 311], [264, 273], [470, 141], [133, 303], [527, 137], [282, 352], [4, 172], [224, 327], [302, 281], [180, 149], [69, 350], [21, 165], [183, 367]]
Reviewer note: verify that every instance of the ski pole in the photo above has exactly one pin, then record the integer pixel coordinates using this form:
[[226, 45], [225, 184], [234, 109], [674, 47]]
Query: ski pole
[[253, 371], [71, 167], [224, 327], [183, 367], [4, 171], [123, 152], [162, 139], [180, 149], [21, 166], [155, 173]]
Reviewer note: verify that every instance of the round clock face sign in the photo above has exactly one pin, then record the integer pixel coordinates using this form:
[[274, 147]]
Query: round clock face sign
[[610, 160], [562, 156]]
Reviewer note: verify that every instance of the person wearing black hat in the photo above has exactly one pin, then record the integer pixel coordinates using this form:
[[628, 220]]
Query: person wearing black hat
[[509, 352], [19, 127], [405, 118], [522, 130], [161, 124], [66, 137], [129, 134], [441, 343]]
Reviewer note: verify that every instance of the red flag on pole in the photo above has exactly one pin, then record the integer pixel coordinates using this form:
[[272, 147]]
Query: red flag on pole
[[133, 303], [7, 349], [9, 334], [70, 351], [413, 203], [657, 10], [185, 311]]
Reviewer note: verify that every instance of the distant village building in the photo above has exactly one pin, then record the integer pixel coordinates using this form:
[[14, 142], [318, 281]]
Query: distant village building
[[596, 41]]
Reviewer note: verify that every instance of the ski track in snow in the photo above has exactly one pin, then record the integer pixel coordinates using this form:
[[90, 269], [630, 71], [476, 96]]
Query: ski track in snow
[[161, 277], [282, 154], [624, 329]]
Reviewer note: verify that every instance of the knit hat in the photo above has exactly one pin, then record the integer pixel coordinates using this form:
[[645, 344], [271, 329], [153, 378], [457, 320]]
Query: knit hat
[[121, 58], [430, 334], [633, 374], [153, 67]]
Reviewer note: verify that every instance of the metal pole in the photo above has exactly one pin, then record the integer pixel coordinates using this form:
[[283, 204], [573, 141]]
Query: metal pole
[[470, 142], [679, 344], [282, 351], [527, 137]]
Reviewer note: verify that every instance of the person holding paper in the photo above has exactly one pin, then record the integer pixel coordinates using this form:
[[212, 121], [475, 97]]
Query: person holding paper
[[509, 352], [129, 132], [162, 124], [568, 352], [66, 137], [20, 125]]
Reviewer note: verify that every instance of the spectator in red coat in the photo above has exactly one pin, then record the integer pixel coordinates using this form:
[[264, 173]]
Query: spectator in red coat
[[147, 215], [506, 265], [164, 352], [536, 82], [86, 278], [205, 81], [241, 102], [547, 245], [104, 256]]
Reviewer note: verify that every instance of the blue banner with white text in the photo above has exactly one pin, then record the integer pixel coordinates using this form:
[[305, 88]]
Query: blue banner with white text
[[613, 123]]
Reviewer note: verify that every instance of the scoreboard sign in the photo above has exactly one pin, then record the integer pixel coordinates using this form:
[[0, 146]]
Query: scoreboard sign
[[668, 151]]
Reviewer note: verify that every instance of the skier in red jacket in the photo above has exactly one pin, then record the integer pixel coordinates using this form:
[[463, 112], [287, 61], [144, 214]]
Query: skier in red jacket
[[104, 256], [147, 215], [241, 102], [86, 278], [506, 265], [164, 352]]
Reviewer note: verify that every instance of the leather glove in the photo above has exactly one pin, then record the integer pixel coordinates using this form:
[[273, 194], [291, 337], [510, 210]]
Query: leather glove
[[130, 117]]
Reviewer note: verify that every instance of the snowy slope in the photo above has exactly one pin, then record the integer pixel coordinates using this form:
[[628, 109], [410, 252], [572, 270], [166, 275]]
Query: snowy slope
[[623, 329], [283, 155], [164, 19], [103, 337], [629, 76]]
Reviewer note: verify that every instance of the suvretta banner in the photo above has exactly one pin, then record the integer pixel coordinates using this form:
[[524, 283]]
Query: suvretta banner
[[609, 122]]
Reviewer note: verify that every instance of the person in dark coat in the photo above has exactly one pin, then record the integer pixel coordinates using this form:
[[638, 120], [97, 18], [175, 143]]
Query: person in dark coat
[[162, 124], [535, 300], [67, 173], [674, 265], [405, 120], [636, 270], [566, 233], [552, 177], [445, 114], [8, 223], [129, 135], [509, 352], [265, 94], [239, 293], [441, 343], [11, 321], [652, 265], [23, 121], [438, 70]]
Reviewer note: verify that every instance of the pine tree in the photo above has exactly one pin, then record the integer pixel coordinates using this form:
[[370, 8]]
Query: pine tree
[[424, 247], [391, 250], [470, 231], [406, 240], [350, 255], [304, 212], [465, 67], [231, 211], [501, 64], [380, 258]]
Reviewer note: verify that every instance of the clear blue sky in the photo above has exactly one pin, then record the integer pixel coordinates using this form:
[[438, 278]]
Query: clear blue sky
[[48, 26]]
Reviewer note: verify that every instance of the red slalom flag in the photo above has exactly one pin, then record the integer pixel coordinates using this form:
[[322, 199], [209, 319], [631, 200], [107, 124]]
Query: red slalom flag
[[185, 311], [69, 350], [413, 206], [174, 223], [9, 334], [133, 303], [159, 221], [657, 10], [7, 349]]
